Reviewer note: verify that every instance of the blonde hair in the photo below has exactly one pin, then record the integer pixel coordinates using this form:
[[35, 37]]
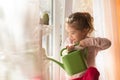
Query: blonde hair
[[81, 20]]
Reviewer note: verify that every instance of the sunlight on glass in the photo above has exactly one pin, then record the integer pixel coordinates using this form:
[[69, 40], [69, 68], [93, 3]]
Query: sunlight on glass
[[13, 57]]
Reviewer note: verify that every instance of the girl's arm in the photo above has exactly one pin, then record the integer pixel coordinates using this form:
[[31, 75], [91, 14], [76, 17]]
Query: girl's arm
[[100, 43]]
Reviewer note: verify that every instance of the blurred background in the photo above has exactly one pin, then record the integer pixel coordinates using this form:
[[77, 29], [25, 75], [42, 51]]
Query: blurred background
[[24, 40]]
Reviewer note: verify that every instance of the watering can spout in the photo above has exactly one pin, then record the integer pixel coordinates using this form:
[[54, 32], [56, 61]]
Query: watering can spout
[[59, 63]]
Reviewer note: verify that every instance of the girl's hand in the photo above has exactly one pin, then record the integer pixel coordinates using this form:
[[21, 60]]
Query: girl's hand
[[70, 48], [82, 44]]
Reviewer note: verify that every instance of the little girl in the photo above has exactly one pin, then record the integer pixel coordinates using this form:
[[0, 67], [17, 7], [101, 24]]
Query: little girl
[[78, 26]]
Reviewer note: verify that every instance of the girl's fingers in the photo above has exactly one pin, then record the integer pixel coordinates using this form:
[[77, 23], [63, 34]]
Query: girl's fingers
[[70, 48]]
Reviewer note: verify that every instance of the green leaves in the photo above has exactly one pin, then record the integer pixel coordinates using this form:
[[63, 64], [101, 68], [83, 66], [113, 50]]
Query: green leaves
[[45, 19]]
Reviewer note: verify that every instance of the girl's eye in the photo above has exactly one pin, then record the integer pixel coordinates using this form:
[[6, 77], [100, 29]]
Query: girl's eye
[[72, 32]]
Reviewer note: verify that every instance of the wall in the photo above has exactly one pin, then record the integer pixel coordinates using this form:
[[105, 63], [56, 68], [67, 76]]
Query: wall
[[117, 58]]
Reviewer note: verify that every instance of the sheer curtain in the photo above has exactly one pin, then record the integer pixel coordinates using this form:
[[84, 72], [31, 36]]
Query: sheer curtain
[[106, 24], [104, 57]]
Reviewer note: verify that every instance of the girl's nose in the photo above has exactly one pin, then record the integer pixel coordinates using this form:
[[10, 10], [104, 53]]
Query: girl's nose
[[70, 36]]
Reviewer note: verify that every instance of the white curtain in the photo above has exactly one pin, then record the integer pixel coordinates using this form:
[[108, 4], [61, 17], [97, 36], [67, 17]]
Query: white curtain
[[106, 24], [100, 23], [20, 51]]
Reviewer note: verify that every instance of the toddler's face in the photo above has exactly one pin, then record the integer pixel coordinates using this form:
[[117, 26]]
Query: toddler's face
[[74, 34]]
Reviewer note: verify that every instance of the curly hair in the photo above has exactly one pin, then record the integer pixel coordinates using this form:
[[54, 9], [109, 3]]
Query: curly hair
[[81, 20]]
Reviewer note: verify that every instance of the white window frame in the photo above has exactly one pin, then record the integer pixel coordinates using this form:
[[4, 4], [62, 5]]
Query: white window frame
[[61, 9]]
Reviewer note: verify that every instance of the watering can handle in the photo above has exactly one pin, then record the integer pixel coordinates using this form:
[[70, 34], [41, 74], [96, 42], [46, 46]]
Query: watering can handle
[[62, 51], [66, 48]]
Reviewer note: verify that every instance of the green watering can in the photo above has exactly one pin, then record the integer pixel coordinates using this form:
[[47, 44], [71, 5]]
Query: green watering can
[[73, 62]]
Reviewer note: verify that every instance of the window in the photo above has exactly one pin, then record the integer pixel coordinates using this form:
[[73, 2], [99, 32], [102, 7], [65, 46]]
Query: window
[[21, 18], [57, 10]]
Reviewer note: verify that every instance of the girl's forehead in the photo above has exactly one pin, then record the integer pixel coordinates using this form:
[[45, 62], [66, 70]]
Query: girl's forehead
[[71, 27]]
